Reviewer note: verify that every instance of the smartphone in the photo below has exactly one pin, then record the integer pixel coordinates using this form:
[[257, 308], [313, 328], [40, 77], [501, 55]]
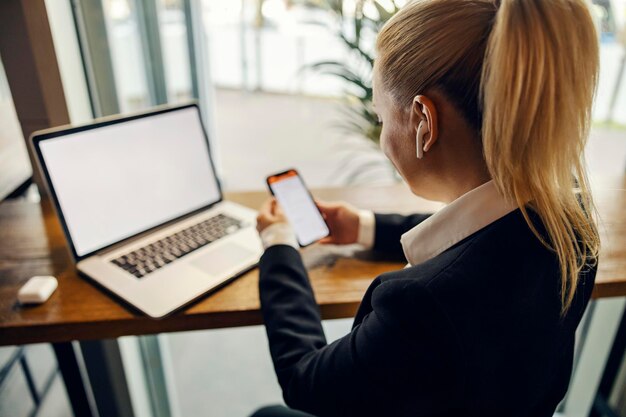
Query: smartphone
[[299, 207]]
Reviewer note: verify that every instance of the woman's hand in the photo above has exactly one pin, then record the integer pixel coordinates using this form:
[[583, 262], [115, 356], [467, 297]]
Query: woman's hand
[[343, 221], [269, 214]]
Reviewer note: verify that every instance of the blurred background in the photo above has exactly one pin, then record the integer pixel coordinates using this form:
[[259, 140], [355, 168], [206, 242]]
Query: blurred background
[[281, 83]]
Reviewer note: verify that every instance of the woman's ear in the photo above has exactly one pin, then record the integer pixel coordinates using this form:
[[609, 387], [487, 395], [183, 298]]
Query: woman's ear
[[424, 110]]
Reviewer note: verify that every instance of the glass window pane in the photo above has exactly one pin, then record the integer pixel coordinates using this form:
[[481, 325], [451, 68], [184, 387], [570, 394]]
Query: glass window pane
[[606, 151], [173, 31], [126, 54], [611, 98], [13, 154]]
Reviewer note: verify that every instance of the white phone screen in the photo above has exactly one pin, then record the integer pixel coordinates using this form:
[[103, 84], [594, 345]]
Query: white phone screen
[[299, 207]]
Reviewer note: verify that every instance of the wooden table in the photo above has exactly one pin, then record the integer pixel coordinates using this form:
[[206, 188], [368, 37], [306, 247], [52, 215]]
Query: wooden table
[[31, 243]]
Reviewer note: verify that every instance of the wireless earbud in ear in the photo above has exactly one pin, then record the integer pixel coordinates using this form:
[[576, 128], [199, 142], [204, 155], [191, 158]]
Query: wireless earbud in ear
[[422, 130]]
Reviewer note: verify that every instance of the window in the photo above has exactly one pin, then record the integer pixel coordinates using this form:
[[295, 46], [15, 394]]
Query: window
[[14, 160]]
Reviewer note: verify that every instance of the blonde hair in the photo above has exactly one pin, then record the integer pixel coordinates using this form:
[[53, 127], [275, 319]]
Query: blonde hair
[[523, 73]]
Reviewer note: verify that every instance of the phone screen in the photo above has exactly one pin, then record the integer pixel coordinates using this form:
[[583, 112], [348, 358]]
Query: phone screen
[[299, 207]]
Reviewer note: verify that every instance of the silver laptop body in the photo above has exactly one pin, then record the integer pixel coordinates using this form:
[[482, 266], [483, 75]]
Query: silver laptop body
[[142, 209]]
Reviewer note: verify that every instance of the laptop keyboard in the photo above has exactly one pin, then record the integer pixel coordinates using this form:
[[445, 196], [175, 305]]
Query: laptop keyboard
[[156, 255]]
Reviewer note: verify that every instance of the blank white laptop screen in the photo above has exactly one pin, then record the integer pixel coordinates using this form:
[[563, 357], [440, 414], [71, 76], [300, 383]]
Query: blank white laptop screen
[[115, 181]]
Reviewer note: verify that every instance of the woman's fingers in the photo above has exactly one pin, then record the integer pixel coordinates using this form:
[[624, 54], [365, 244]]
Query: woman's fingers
[[328, 210], [325, 206], [266, 214], [266, 207], [277, 209]]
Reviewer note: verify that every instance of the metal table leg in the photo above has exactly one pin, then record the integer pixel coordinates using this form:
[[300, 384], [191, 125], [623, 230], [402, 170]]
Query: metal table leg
[[103, 363], [77, 392], [96, 380]]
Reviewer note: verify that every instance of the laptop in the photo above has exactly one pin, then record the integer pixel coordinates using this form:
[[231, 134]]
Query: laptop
[[142, 209]]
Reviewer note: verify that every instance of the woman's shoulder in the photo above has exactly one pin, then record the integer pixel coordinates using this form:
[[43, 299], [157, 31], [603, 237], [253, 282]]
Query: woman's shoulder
[[502, 264], [501, 275], [505, 244]]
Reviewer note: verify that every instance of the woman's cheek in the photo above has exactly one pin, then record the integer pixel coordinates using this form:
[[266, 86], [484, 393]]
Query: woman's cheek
[[389, 145], [385, 144]]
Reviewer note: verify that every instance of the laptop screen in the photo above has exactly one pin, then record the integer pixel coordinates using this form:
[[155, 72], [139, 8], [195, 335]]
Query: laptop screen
[[122, 178]]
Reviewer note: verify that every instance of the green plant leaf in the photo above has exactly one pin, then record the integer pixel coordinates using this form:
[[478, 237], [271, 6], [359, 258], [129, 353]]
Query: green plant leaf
[[358, 21], [359, 115], [338, 69], [355, 47], [382, 12]]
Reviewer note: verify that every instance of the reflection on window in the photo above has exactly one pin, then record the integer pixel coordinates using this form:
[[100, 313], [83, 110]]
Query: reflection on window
[[268, 46], [126, 54], [265, 45], [173, 31]]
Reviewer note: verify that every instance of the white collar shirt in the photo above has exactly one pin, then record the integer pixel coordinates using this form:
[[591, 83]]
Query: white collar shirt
[[461, 218]]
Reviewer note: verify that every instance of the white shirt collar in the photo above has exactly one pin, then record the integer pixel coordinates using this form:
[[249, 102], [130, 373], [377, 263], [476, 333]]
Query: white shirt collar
[[461, 218]]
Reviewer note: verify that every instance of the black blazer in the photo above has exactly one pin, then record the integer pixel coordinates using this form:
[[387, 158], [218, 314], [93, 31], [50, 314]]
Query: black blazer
[[475, 331]]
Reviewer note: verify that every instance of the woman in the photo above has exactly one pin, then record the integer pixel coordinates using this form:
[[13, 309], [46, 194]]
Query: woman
[[485, 106]]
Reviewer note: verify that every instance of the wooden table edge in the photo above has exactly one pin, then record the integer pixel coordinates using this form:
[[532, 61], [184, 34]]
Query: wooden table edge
[[174, 323]]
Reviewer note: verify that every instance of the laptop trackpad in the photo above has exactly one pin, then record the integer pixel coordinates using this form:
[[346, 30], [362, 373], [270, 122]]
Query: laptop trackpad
[[222, 259]]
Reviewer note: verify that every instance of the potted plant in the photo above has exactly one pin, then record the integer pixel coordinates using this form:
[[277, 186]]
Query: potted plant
[[356, 23]]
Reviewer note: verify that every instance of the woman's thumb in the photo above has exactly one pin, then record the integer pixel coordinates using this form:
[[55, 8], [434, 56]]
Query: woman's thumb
[[325, 208]]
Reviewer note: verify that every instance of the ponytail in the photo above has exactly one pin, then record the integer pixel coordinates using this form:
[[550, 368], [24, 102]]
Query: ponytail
[[538, 81], [523, 73]]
